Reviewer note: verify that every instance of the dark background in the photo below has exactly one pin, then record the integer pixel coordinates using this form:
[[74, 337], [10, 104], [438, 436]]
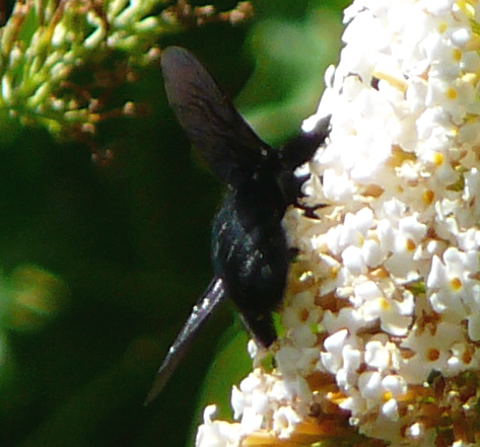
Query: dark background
[[100, 265]]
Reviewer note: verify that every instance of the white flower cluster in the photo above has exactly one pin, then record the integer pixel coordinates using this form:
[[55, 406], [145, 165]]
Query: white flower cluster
[[261, 399], [389, 297]]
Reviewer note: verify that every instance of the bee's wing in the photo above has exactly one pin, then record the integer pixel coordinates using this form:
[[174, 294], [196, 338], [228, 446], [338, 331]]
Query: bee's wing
[[211, 121], [212, 297]]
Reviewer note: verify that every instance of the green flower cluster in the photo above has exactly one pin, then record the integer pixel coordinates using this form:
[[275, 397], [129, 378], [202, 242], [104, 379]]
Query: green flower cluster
[[48, 45]]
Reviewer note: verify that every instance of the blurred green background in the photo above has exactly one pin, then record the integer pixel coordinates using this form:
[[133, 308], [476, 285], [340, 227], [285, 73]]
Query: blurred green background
[[100, 265]]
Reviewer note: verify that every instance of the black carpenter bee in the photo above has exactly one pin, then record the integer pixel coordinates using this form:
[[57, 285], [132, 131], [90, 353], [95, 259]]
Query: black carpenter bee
[[249, 250]]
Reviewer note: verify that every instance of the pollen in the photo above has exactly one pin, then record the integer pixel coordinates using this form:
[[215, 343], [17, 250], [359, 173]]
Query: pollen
[[387, 396], [433, 354], [373, 191], [442, 27], [456, 284], [467, 357], [428, 196], [457, 55], [380, 273], [411, 246], [384, 304], [334, 271], [451, 93], [438, 158]]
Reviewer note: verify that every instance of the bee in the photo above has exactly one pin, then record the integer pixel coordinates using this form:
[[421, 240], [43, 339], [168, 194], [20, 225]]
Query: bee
[[249, 249]]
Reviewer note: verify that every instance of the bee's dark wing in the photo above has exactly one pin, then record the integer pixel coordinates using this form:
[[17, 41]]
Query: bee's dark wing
[[211, 121], [212, 297]]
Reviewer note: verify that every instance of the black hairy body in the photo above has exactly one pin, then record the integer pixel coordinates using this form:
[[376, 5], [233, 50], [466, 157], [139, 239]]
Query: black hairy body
[[249, 251], [250, 255]]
